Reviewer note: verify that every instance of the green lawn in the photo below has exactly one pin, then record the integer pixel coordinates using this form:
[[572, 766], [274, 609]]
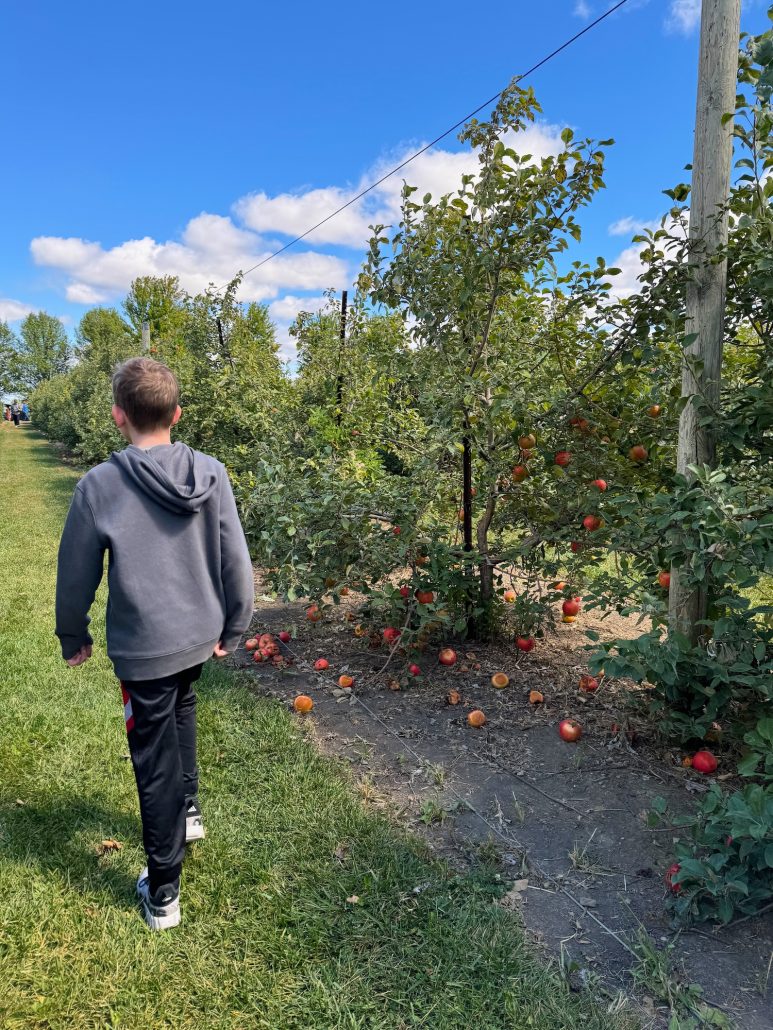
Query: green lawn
[[268, 939]]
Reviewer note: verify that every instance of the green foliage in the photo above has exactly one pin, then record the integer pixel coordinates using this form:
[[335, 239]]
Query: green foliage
[[42, 351]]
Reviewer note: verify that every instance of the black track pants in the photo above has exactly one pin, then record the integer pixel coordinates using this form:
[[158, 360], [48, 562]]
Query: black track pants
[[161, 727]]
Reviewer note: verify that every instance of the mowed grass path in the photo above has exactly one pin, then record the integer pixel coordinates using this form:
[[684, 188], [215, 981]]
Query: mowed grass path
[[268, 938]]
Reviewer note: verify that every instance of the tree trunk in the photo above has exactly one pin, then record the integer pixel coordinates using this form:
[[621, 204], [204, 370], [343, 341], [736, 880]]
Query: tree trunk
[[707, 278]]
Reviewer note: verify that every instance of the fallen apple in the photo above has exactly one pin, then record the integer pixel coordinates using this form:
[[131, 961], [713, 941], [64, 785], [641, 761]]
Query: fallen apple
[[321, 664], [671, 872], [500, 680], [589, 684], [568, 618], [346, 682], [447, 656], [476, 718], [525, 644], [536, 697], [704, 762], [303, 703], [390, 635], [313, 614], [569, 730], [251, 644], [414, 670], [571, 606], [285, 636], [453, 697]]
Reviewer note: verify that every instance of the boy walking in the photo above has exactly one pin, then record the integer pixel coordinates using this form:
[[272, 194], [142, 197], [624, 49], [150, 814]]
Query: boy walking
[[180, 590]]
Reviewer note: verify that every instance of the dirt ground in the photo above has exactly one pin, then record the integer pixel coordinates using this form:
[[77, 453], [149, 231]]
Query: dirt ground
[[564, 823]]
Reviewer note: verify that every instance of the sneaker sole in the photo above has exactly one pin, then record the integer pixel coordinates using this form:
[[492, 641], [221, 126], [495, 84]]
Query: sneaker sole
[[194, 833], [160, 922]]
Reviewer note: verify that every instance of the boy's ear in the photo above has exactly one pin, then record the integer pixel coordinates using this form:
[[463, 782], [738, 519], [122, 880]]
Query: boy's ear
[[176, 417], [119, 416]]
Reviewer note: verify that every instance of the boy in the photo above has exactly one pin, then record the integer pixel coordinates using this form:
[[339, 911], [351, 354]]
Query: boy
[[180, 590]]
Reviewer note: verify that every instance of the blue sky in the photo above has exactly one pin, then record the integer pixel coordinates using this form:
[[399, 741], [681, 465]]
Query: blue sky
[[193, 138]]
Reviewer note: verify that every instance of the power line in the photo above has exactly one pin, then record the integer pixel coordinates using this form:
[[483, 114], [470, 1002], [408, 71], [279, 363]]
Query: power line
[[437, 139]]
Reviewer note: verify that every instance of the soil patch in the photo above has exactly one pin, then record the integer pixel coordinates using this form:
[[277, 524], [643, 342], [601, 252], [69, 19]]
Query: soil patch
[[564, 824]]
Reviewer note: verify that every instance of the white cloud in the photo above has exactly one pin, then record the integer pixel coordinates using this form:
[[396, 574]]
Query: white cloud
[[213, 247], [582, 10], [13, 310], [629, 260], [683, 16], [627, 226]]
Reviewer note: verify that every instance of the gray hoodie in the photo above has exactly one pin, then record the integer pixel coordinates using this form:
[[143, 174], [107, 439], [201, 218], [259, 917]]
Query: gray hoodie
[[179, 573]]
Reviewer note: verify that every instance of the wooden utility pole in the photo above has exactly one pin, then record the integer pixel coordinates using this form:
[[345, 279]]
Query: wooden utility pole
[[342, 344], [145, 337], [707, 277]]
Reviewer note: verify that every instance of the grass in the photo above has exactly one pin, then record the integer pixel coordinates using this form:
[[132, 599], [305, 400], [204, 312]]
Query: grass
[[269, 938]]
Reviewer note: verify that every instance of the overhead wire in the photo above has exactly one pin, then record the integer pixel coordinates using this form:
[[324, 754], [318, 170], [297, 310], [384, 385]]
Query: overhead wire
[[432, 143]]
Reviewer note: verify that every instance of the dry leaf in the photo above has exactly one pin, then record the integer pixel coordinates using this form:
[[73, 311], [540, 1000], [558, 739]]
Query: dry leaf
[[108, 845], [352, 899], [341, 853]]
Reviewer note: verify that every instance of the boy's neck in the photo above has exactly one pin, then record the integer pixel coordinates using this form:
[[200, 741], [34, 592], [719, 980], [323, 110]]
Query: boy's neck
[[153, 439]]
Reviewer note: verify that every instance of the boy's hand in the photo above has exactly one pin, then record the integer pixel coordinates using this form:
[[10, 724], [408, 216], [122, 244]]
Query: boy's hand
[[82, 656], [219, 652]]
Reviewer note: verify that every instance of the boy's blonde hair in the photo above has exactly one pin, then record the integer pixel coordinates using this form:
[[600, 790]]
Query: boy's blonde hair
[[148, 393]]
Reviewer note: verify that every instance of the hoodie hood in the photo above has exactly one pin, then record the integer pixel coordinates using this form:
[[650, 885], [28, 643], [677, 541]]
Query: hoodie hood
[[173, 475]]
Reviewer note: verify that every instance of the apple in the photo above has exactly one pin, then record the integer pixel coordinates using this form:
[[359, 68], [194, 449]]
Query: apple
[[251, 644], [568, 618], [526, 443], [313, 614], [346, 682], [671, 872], [704, 762], [396, 530], [447, 656], [321, 664], [414, 670], [425, 596], [285, 636], [520, 472], [638, 453], [536, 697], [405, 592], [589, 683], [664, 579], [344, 591], [476, 718], [509, 596], [303, 703], [576, 546], [654, 411], [563, 458], [500, 680], [592, 523], [391, 635], [525, 644], [571, 606], [600, 484], [569, 730]]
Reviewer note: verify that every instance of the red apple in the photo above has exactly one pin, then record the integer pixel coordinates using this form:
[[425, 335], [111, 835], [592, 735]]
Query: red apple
[[591, 523], [704, 762], [569, 730], [525, 644], [313, 614], [425, 596], [600, 484], [447, 656], [346, 682], [405, 592], [414, 670], [576, 546], [589, 683], [563, 458], [571, 606], [390, 635], [669, 878], [321, 664], [396, 530], [664, 579], [285, 636], [638, 453], [653, 411], [251, 644], [509, 596], [520, 472]]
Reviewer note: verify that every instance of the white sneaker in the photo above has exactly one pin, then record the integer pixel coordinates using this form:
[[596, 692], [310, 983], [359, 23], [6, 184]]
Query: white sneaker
[[194, 822], [162, 909]]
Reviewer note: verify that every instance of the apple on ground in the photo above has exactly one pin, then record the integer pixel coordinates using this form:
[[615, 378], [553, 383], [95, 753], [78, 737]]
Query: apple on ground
[[704, 762], [571, 606], [414, 670], [321, 664], [346, 682], [589, 684], [447, 656], [285, 636], [525, 644], [569, 730]]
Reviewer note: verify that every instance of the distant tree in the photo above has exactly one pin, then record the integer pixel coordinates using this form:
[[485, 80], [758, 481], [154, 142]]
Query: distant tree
[[43, 350], [8, 357], [157, 300], [103, 339]]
